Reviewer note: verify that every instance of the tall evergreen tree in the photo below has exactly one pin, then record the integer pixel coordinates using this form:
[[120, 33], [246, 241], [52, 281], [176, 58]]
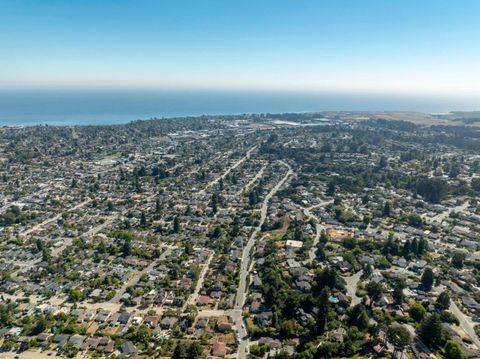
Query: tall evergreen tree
[[176, 225], [323, 306], [428, 278]]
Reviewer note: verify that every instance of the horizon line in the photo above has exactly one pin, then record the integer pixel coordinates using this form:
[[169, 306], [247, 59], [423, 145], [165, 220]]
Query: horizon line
[[127, 85]]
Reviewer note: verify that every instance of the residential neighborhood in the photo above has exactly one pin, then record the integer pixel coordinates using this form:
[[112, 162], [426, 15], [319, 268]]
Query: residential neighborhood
[[312, 235]]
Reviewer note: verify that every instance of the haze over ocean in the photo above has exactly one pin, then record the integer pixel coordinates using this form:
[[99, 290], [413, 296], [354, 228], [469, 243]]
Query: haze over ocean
[[113, 106]]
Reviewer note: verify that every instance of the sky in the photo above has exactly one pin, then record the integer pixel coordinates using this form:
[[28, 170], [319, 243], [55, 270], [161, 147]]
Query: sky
[[399, 46]]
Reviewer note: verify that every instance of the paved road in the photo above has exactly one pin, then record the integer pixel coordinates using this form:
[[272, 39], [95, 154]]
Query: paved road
[[236, 313], [135, 278], [55, 252], [441, 216], [318, 228], [253, 180], [55, 218], [352, 283], [201, 278], [212, 313], [465, 322], [235, 165]]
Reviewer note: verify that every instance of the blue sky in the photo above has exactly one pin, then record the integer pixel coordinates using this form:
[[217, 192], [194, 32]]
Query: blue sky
[[416, 46]]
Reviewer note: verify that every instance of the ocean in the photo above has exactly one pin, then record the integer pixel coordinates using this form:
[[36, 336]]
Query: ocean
[[68, 106]]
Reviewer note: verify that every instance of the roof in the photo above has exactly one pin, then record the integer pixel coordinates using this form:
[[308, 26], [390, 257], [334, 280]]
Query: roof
[[128, 348], [219, 349]]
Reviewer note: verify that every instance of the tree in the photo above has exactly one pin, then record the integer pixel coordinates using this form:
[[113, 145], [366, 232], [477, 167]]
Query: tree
[[330, 189], [427, 278], [365, 199], [323, 310], [415, 220], [176, 225], [386, 209], [417, 311], [328, 277], [194, 350], [397, 294], [406, 249], [40, 245], [46, 255], [358, 316], [143, 219], [399, 337], [216, 233], [252, 198], [127, 247], [383, 162], [367, 271], [143, 334], [75, 295], [180, 351], [432, 189], [189, 248], [187, 350], [214, 203], [374, 289], [323, 237], [363, 320], [414, 247], [320, 253], [422, 247], [443, 300], [432, 332], [475, 184], [458, 258], [40, 326], [453, 350]]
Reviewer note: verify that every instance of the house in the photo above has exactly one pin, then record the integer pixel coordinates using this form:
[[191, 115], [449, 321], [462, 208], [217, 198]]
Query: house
[[418, 266], [304, 286], [201, 323], [124, 318], [219, 349], [105, 345], [96, 294], [400, 262], [76, 340], [168, 322], [151, 320], [270, 342], [128, 349], [43, 338], [471, 304], [294, 244], [203, 300], [264, 319], [292, 263], [302, 317], [60, 339], [256, 281], [223, 326], [102, 316]]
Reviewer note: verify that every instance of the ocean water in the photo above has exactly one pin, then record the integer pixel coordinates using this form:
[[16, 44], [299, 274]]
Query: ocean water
[[68, 106]]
